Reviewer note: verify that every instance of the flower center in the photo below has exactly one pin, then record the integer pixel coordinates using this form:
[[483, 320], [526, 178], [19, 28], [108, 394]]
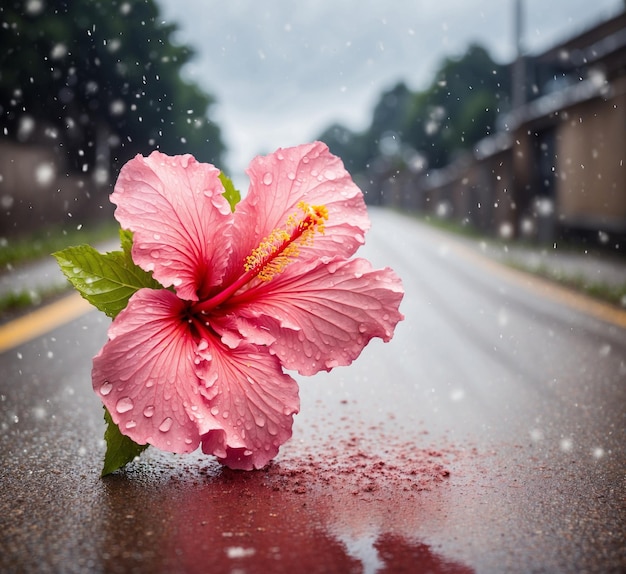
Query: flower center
[[282, 245], [275, 251]]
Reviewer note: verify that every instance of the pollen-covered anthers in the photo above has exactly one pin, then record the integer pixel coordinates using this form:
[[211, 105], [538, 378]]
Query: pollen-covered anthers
[[282, 245]]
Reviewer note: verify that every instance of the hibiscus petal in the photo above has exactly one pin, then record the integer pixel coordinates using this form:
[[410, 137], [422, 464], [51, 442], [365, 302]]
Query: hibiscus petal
[[255, 402], [320, 315], [307, 173], [180, 219], [146, 376]]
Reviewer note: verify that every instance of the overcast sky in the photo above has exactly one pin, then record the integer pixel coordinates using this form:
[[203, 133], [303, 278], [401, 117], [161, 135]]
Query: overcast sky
[[283, 70]]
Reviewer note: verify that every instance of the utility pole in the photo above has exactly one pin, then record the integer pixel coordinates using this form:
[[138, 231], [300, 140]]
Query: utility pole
[[519, 66]]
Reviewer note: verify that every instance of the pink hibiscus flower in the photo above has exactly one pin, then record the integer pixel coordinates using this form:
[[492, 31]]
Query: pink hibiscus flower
[[246, 294]]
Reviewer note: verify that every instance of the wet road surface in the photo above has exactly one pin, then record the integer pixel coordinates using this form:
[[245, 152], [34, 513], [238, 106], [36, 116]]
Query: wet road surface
[[487, 436]]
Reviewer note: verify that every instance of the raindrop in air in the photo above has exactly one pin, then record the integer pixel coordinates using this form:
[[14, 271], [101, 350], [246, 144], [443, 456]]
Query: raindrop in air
[[44, 174], [598, 453]]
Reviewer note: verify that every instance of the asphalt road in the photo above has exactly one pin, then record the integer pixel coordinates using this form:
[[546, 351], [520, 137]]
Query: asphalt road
[[487, 436]]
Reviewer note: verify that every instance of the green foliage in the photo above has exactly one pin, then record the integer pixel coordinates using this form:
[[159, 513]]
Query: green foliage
[[126, 240], [391, 114], [108, 280], [352, 148], [231, 194], [460, 106], [42, 242], [120, 449], [104, 73], [18, 300], [455, 111]]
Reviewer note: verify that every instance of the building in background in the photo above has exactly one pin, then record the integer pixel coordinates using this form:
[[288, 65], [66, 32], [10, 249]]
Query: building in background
[[557, 165]]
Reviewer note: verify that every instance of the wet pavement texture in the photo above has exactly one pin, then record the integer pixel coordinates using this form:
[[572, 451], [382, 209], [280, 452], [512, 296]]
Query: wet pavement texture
[[488, 436]]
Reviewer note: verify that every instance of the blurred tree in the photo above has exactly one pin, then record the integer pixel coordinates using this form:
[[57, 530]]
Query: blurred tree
[[102, 80], [351, 147], [391, 112], [459, 108], [388, 119]]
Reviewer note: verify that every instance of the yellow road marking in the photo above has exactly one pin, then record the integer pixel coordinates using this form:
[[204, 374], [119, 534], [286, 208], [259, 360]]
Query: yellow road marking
[[548, 289], [42, 320]]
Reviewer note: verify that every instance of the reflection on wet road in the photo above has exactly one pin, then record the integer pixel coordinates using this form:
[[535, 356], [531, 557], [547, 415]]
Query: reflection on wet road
[[262, 522], [488, 436]]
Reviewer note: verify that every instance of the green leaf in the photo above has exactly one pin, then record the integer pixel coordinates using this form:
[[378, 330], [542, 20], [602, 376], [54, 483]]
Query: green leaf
[[126, 240], [231, 194], [120, 449], [108, 280]]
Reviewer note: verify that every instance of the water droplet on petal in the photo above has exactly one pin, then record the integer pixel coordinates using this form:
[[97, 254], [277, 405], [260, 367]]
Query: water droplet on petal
[[247, 452], [291, 176], [188, 441], [131, 424], [148, 411], [362, 328], [166, 424], [215, 411], [124, 405], [106, 388], [268, 178]]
